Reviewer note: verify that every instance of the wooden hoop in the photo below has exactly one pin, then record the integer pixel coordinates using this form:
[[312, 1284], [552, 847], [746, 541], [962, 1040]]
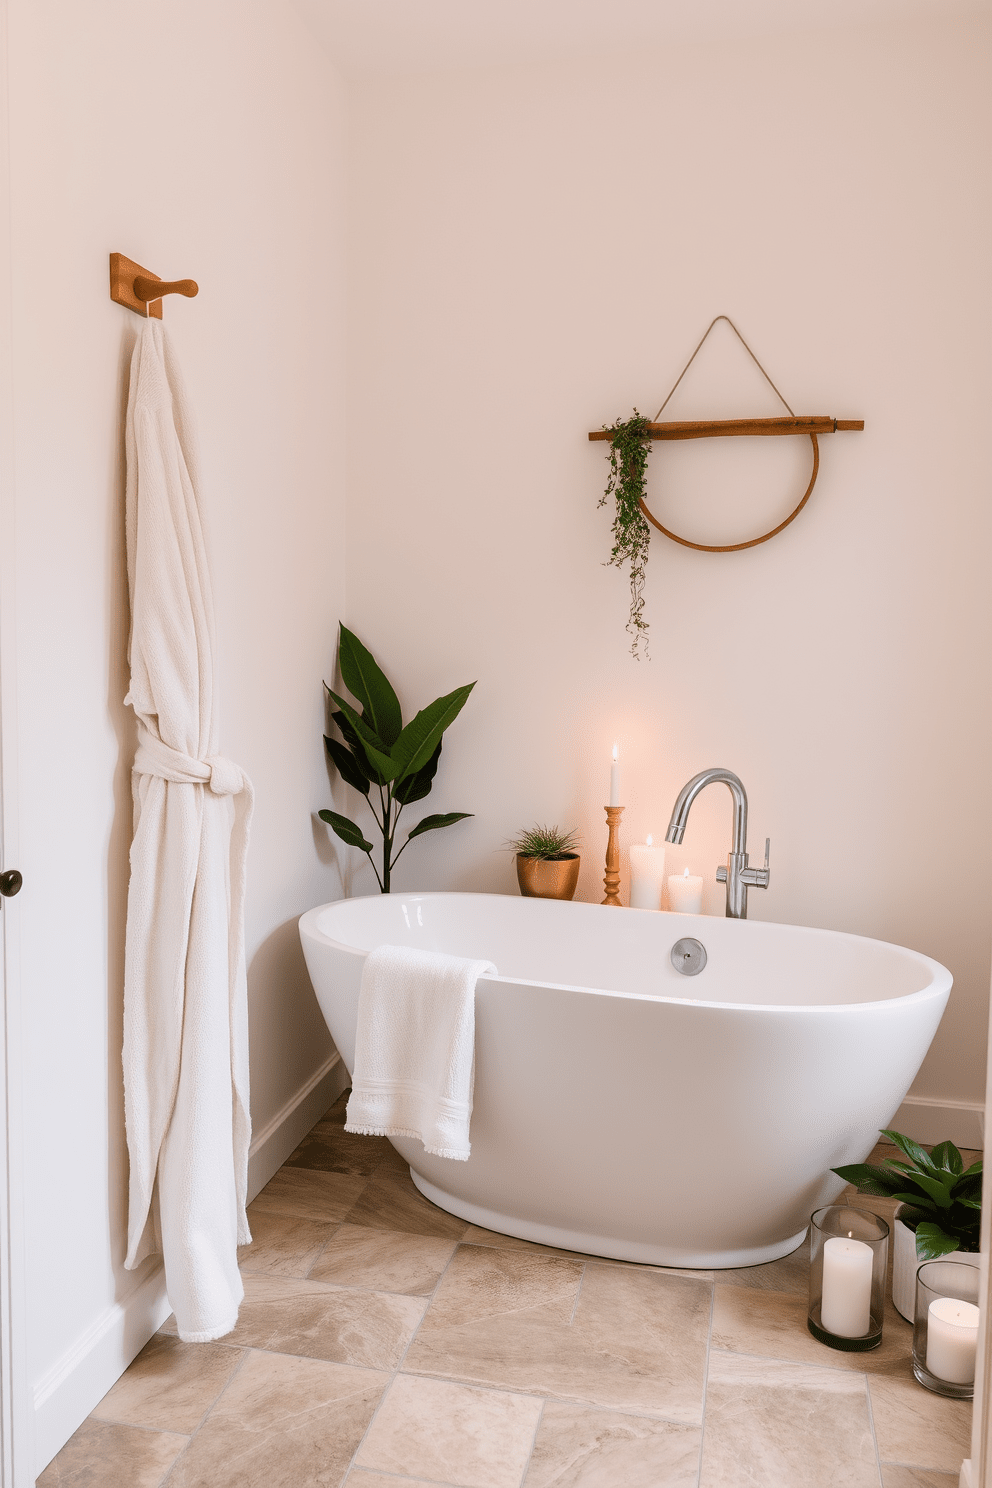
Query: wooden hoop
[[754, 541]]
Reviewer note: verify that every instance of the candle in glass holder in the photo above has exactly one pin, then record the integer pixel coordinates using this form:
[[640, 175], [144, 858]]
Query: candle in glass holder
[[845, 1309], [647, 874], [685, 894], [952, 1340]]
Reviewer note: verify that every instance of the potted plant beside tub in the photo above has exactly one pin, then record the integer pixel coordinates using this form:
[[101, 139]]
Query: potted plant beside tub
[[939, 1213], [547, 863]]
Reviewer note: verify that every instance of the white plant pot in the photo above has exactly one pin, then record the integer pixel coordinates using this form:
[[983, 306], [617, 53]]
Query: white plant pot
[[905, 1266]]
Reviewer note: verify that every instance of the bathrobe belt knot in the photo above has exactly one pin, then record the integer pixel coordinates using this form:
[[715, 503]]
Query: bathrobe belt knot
[[222, 775]]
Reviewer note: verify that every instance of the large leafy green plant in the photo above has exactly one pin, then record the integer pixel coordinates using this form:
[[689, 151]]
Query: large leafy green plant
[[379, 752], [945, 1200]]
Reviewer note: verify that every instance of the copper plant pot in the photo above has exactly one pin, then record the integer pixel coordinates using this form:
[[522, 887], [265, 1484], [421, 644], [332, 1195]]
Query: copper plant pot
[[548, 878]]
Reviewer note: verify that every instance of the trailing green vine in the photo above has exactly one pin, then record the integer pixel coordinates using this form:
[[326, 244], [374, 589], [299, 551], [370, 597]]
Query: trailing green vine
[[629, 445]]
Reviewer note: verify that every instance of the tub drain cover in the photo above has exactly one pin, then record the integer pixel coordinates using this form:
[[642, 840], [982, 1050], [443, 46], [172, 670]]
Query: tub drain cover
[[689, 956]]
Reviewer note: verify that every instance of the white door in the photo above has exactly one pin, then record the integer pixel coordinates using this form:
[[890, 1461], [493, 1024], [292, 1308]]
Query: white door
[[16, 1417]]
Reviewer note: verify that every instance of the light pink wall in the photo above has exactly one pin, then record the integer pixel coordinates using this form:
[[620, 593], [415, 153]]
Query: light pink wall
[[534, 251], [201, 143]]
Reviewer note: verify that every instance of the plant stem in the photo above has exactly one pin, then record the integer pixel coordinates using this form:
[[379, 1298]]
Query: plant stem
[[387, 840]]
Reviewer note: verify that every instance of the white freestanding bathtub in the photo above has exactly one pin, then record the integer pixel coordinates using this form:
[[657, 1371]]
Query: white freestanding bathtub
[[625, 1110]]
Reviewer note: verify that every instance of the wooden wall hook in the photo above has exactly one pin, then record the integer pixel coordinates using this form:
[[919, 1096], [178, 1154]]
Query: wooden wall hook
[[140, 290]]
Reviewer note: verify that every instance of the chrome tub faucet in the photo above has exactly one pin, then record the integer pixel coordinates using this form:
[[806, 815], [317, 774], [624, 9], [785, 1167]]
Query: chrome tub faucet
[[736, 875]]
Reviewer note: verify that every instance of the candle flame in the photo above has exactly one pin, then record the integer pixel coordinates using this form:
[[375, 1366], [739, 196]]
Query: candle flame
[[616, 753], [686, 873], [649, 839]]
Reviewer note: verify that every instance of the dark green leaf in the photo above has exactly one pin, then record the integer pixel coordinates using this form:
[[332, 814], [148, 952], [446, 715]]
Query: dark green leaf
[[363, 676], [917, 1155], [918, 1200], [939, 1191], [444, 819], [932, 1242], [371, 743], [422, 734], [968, 1203], [947, 1156], [416, 787], [346, 830], [869, 1179], [358, 749], [349, 766], [975, 1168]]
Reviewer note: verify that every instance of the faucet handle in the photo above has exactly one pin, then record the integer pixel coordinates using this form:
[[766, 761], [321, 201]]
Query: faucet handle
[[758, 878], [721, 873]]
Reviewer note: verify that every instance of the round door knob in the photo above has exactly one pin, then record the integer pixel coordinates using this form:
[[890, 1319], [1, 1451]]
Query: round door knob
[[10, 883]]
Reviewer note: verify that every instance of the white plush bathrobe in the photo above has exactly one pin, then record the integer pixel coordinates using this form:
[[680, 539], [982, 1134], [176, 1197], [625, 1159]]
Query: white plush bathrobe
[[185, 994]]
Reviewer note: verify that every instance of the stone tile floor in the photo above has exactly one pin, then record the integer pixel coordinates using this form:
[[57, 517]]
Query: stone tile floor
[[383, 1343]]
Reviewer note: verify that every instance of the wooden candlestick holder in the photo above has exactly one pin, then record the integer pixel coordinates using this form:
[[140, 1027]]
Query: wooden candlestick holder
[[611, 878]]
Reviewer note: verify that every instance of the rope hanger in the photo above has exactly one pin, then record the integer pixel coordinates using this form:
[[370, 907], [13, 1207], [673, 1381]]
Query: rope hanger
[[714, 428]]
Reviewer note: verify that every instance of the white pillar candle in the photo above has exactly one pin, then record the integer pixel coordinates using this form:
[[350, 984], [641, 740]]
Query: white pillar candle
[[952, 1340], [685, 894], [845, 1309], [647, 875], [615, 777]]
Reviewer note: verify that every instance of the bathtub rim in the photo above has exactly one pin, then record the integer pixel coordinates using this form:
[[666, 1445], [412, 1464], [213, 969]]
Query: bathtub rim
[[940, 985]]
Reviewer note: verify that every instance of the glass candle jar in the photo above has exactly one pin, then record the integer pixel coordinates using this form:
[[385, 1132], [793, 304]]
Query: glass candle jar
[[848, 1256], [945, 1335]]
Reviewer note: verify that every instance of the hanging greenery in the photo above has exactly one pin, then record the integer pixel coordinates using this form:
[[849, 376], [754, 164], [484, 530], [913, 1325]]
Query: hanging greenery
[[628, 458]]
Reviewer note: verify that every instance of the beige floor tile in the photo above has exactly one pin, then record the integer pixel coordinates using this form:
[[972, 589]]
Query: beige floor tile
[[748, 1320], [578, 1447], [331, 1149], [359, 1478], [283, 1245], [632, 1339], [915, 1426], [773, 1425], [483, 1284], [368, 1329], [302, 1193], [170, 1385], [282, 1423], [451, 1433], [476, 1235], [100, 1454], [916, 1477], [386, 1260], [790, 1274], [390, 1201]]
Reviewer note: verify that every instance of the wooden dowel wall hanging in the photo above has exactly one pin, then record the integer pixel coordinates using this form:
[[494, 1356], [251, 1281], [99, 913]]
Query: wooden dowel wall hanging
[[141, 290], [629, 442]]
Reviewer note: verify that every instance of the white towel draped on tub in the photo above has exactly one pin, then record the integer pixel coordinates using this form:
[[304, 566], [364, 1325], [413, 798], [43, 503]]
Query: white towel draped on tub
[[415, 1050], [185, 995]]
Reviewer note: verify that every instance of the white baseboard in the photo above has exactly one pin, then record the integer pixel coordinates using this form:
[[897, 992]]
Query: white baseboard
[[65, 1395], [965, 1480], [284, 1133], [930, 1121]]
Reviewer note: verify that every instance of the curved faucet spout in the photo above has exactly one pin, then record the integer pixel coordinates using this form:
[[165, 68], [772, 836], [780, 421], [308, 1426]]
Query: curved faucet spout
[[689, 792]]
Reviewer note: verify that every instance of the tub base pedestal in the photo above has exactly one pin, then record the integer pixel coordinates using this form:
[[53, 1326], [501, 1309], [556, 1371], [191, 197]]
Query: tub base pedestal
[[610, 1246]]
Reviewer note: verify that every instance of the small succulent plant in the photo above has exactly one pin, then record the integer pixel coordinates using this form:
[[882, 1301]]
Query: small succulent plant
[[550, 844], [945, 1200]]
